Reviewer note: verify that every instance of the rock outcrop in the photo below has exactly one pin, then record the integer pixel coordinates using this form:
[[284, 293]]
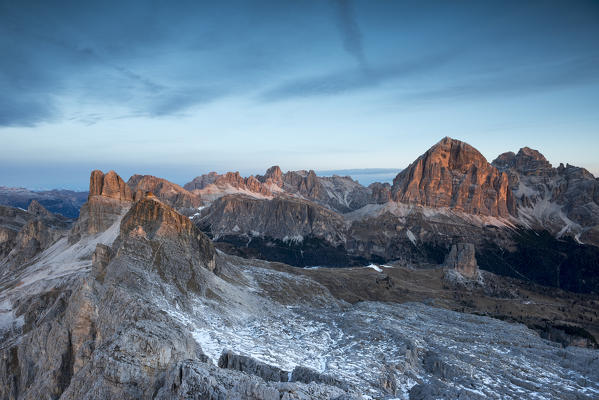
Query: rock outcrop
[[288, 219], [23, 235], [200, 182], [338, 193], [109, 198], [462, 259], [454, 174], [168, 192], [249, 365], [12, 220], [176, 236], [110, 185]]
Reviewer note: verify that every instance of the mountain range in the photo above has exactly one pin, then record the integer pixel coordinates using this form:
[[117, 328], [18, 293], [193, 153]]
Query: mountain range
[[461, 279]]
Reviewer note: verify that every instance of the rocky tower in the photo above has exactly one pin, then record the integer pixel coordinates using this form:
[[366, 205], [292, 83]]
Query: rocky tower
[[109, 197], [454, 174], [462, 258], [527, 162]]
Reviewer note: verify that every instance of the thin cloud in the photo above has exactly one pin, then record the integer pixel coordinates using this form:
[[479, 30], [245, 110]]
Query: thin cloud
[[353, 80], [350, 31], [525, 80]]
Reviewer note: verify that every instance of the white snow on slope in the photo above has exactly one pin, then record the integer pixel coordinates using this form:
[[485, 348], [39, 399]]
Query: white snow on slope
[[374, 267], [411, 236], [354, 343]]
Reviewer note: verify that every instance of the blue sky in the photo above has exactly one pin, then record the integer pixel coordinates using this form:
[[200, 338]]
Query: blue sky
[[176, 89]]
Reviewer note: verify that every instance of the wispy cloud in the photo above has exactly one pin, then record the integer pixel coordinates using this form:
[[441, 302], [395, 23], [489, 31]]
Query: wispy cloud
[[519, 80], [350, 31], [353, 80]]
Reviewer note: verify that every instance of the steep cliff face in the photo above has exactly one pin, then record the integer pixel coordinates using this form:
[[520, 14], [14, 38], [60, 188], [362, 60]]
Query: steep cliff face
[[338, 193], [177, 237], [26, 234], [12, 221], [563, 200], [168, 192], [288, 219], [110, 185], [212, 186], [109, 198], [454, 174]]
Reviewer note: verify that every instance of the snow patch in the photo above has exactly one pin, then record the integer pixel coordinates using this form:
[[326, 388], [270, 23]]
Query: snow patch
[[374, 267], [411, 236]]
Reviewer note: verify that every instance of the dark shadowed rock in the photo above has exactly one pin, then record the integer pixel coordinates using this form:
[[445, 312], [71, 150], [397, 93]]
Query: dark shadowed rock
[[307, 375], [251, 366], [100, 259]]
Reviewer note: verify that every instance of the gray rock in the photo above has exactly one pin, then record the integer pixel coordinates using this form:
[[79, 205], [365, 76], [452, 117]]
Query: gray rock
[[462, 258], [249, 365]]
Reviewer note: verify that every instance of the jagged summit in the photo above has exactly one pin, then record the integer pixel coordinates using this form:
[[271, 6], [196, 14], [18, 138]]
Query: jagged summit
[[454, 174], [151, 219], [37, 209], [109, 197], [527, 162], [156, 218], [273, 175], [110, 185]]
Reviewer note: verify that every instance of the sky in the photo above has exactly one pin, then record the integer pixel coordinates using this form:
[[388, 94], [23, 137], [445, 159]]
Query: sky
[[177, 89]]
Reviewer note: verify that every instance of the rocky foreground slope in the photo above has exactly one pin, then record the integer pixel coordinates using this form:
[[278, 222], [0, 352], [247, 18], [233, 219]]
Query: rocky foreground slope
[[135, 302]]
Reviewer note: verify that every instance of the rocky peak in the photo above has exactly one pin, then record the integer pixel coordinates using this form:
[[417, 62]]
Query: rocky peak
[[110, 185], [37, 209], [527, 162], [152, 217], [273, 175], [454, 174], [200, 182], [153, 220], [109, 197]]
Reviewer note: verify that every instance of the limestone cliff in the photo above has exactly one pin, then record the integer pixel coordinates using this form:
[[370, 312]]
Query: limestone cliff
[[454, 174], [168, 192], [109, 197]]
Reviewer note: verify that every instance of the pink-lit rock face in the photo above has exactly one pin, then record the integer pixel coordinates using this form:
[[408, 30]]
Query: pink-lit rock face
[[110, 185], [454, 174]]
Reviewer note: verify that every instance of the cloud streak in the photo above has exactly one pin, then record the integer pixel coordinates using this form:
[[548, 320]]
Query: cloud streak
[[353, 80], [350, 31], [531, 79]]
